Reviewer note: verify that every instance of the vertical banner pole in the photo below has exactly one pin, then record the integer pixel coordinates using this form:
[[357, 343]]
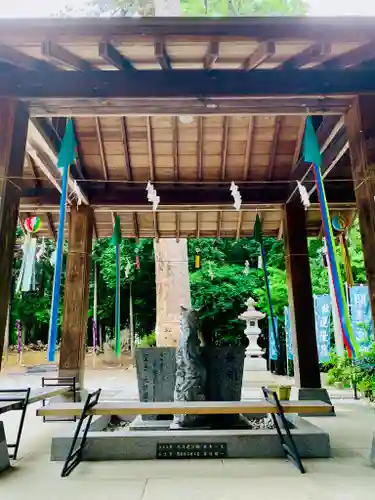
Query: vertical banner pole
[[58, 269], [95, 315], [117, 308], [131, 314], [270, 308]]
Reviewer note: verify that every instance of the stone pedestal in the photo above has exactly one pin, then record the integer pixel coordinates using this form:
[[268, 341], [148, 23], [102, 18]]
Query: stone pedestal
[[254, 355]]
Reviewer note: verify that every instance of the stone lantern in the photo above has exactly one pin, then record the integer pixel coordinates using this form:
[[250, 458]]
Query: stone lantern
[[254, 359]]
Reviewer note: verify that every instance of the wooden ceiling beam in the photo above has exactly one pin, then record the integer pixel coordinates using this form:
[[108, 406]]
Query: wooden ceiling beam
[[136, 226], [18, 59], [239, 225], [178, 225], [192, 194], [224, 148], [317, 52], [162, 56], [219, 223], [275, 141], [186, 84], [124, 135], [249, 146], [113, 57], [212, 55], [200, 148], [150, 146], [101, 148], [281, 229], [264, 51], [355, 57], [62, 57], [297, 151], [175, 148]]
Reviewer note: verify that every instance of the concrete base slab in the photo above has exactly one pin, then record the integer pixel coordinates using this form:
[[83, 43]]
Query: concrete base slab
[[255, 364], [127, 444], [316, 395], [4, 456], [138, 424]]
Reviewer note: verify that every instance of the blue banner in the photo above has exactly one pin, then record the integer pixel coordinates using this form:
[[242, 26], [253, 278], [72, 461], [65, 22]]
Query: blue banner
[[272, 344], [322, 309], [288, 333], [360, 313]]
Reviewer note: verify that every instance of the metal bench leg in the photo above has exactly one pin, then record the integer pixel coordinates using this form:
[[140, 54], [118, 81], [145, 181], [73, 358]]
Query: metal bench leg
[[60, 382], [24, 401], [289, 447], [75, 453]]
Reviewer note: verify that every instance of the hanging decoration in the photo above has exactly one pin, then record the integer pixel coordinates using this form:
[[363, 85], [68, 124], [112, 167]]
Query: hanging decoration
[[235, 192], [304, 195], [311, 152], [258, 236], [152, 196], [127, 269], [41, 250], [247, 267], [137, 261], [67, 156], [197, 259], [340, 224], [116, 241], [32, 225], [19, 336], [26, 278]]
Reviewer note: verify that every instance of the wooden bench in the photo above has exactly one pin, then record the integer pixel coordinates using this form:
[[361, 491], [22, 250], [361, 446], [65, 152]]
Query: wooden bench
[[270, 405], [19, 399]]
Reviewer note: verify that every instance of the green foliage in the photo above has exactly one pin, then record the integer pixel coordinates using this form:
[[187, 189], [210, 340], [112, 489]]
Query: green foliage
[[148, 340]]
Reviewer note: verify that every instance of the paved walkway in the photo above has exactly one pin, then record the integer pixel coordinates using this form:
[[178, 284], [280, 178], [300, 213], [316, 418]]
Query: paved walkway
[[346, 476]]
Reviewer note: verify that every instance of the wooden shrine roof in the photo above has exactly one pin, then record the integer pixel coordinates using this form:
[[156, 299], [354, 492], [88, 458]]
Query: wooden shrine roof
[[189, 104]]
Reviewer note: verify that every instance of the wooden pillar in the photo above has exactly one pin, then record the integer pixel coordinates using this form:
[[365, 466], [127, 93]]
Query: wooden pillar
[[76, 295], [13, 133], [360, 125], [305, 352]]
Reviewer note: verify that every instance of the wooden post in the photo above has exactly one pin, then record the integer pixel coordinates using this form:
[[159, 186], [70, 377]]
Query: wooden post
[[360, 125], [76, 296], [305, 352], [13, 133]]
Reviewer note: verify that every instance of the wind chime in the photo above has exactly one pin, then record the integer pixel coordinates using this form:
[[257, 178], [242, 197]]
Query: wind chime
[[26, 279]]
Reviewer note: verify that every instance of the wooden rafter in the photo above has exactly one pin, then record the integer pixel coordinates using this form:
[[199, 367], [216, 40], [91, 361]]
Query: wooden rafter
[[124, 134], [249, 145], [16, 58], [51, 225], [178, 224], [112, 56], [211, 55], [219, 223], [198, 226], [136, 225], [299, 140], [162, 56], [224, 148], [175, 148], [150, 147], [281, 228], [156, 225], [264, 51], [275, 140], [354, 57], [101, 148], [63, 57], [317, 52], [239, 225], [200, 148]]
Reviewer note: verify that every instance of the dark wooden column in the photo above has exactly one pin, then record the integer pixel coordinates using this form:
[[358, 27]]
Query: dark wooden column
[[360, 124], [305, 352], [76, 296], [13, 133]]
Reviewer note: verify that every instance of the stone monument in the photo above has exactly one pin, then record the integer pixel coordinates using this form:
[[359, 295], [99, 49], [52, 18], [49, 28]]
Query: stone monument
[[254, 355]]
